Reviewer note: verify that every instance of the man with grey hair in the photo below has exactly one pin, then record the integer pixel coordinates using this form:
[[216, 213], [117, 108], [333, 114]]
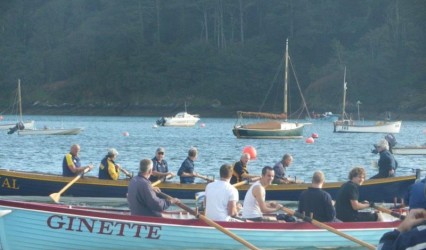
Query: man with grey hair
[[186, 171], [142, 197], [280, 168], [108, 169], [160, 168], [386, 163], [316, 201], [240, 171]]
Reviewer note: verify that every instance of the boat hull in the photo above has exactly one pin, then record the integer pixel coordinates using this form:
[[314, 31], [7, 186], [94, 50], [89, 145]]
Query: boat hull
[[25, 225], [7, 126], [71, 131], [409, 150], [381, 127], [295, 132], [182, 119], [17, 183]]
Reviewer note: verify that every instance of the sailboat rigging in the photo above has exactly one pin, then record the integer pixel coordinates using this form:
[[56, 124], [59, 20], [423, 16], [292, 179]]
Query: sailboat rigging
[[346, 125], [270, 129], [20, 124]]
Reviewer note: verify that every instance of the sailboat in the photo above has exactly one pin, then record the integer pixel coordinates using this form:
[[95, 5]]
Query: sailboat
[[346, 125], [279, 128], [20, 124]]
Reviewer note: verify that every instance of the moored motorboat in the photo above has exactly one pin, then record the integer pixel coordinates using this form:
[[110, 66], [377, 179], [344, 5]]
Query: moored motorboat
[[409, 150], [181, 119], [51, 226], [13, 183]]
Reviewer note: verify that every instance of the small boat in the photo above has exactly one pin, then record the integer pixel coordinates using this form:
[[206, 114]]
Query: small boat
[[8, 126], [20, 124], [30, 225], [347, 125], [279, 128], [181, 119], [409, 150], [20, 183], [51, 131]]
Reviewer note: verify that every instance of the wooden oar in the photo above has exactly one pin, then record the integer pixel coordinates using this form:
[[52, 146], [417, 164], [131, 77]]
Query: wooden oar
[[327, 227], [56, 196], [388, 211], [127, 173], [205, 178], [211, 223], [155, 183], [247, 181]]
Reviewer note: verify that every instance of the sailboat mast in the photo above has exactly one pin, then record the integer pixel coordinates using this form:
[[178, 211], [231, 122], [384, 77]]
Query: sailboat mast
[[286, 77], [344, 95], [19, 100]]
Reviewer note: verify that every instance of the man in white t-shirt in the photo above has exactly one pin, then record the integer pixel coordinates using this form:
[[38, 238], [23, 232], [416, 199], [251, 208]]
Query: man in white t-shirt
[[221, 197]]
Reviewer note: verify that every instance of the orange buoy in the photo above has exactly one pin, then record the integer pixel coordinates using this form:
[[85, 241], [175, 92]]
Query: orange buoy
[[125, 133], [310, 140], [251, 151], [314, 135]]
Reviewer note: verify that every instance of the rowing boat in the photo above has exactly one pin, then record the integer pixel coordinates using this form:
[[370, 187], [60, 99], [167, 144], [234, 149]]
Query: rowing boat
[[29, 225], [20, 183]]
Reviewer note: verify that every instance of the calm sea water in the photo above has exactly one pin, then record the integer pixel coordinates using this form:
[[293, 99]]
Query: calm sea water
[[334, 154]]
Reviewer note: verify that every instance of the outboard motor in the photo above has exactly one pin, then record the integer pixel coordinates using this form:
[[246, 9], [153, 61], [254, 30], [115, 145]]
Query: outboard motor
[[161, 121], [18, 126], [199, 201]]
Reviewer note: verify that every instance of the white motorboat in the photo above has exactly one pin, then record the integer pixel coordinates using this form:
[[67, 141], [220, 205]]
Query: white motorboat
[[53, 131], [181, 119]]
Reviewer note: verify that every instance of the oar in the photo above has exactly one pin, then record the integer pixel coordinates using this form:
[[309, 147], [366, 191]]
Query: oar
[[155, 183], [388, 211], [205, 178], [56, 196], [247, 181], [327, 227], [127, 173], [212, 223]]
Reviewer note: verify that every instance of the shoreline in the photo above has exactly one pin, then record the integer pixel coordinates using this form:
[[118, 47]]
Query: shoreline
[[155, 111]]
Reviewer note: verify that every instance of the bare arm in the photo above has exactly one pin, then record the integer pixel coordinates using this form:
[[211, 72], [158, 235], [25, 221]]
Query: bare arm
[[356, 205], [259, 194]]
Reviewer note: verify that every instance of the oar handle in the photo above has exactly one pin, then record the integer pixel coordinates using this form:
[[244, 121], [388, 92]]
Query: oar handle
[[388, 211], [244, 182], [127, 173], [327, 227], [212, 223], [204, 178], [155, 183]]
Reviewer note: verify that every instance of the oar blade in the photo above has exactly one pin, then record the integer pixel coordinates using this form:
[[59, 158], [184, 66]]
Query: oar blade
[[55, 197]]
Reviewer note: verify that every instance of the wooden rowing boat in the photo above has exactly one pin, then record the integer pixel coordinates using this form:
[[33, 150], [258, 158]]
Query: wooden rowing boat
[[19, 183], [28, 225]]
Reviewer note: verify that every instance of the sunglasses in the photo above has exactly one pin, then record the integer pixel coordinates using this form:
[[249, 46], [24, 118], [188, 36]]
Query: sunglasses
[[160, 153]]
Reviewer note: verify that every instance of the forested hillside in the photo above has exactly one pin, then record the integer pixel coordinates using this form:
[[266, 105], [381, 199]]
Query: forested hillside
[[215, 55]]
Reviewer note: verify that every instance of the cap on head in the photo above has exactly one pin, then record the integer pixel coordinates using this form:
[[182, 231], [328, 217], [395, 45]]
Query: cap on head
[[160, 149]]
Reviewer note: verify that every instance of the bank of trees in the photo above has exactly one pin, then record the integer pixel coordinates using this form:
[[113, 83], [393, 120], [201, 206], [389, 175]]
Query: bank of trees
[[214, 51]]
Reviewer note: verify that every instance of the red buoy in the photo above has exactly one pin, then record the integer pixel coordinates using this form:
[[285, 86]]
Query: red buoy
[[314, 135], [251, 151], [310, 140], [125, 133]]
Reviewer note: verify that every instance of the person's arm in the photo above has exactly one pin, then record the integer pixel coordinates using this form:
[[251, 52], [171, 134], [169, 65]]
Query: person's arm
[[73, 168], [329, 209], [400, 237], [356, 205], [113, 171], [259, 194], [232, 203]]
